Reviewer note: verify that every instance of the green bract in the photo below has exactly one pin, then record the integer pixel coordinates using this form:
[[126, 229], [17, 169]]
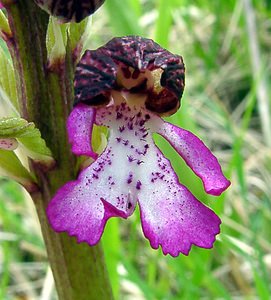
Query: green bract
[[28, 136], [11, 166]]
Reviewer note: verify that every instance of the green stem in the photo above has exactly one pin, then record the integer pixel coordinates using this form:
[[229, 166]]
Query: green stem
[[45, 97]]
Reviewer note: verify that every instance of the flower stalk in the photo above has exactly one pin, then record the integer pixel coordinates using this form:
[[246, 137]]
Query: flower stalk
[[45, 98]]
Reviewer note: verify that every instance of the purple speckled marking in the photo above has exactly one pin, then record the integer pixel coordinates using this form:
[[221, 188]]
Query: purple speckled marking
[[123, 175], [138, 185], [132, 169], [8, 144], [130, 178]]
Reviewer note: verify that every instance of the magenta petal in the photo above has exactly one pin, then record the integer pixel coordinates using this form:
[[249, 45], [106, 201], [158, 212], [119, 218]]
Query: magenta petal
[[79, 126], [74, 209], [172, 217], [82, 207], [197, 156], [78, 209]]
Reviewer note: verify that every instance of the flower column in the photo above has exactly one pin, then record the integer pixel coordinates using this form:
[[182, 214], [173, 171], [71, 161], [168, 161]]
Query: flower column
[[45, 97]]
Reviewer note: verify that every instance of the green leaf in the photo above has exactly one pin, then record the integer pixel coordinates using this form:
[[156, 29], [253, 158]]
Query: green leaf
[[111, 245], [28, 136], [7, 79], [137, 7], [4, 26], [14, 127], [10, 166], [123, 18], [4, 47], [163, 23]]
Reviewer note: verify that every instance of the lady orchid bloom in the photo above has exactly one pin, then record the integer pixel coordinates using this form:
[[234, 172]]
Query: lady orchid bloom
[[126, 85], [70, 10]]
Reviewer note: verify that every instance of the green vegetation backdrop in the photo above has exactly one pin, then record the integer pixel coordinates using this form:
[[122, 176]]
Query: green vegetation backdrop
[[226, 48]]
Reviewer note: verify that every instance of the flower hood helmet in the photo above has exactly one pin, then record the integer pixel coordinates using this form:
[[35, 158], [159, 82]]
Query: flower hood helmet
[[70, 10]]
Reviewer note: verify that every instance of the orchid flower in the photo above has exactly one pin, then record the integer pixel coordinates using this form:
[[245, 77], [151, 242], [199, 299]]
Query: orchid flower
[[126, 86], [70, 10]]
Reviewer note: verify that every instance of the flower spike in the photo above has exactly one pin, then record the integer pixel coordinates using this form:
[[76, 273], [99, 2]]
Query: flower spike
[[126, 85]]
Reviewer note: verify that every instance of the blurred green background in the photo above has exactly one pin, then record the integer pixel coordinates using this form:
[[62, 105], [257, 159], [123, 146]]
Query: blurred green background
[[226, 50]]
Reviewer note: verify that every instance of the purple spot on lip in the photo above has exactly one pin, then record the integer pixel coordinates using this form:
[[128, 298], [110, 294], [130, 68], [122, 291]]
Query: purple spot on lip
[[145, 135], [139, 152], [125, 142], [130, 125], [121, 128], [141, 122], [130, 158], [147, 117], [138, 185], [130, 178], [119, 115]]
